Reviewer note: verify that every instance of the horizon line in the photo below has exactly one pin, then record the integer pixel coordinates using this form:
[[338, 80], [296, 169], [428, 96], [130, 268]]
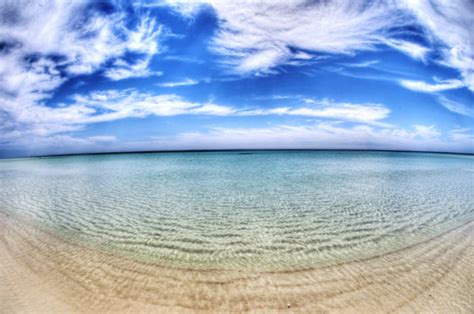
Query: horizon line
[[175, 151]]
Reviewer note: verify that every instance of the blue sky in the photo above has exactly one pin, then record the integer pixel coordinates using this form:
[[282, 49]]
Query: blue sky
[[78, 76]]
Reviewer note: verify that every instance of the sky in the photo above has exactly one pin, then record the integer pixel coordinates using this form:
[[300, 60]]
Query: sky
[[90, 76]]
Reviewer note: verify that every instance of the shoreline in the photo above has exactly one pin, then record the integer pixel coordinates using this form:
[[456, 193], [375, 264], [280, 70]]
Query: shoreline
[[43, 273]]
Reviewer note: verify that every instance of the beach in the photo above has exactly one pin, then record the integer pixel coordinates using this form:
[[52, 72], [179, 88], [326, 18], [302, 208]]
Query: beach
[[236, 156], [230, 232], [41, 272]]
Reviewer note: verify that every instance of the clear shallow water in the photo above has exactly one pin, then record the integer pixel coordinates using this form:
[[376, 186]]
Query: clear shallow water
[[265, 210]]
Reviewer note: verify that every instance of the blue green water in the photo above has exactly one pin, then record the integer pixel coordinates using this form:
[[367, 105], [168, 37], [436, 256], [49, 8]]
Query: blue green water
[[264, 210]]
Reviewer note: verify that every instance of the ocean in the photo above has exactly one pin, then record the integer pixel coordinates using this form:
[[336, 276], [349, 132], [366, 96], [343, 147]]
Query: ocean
[[252, 210]]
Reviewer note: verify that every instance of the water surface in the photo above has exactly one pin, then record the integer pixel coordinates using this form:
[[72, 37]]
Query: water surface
[[266, 210]]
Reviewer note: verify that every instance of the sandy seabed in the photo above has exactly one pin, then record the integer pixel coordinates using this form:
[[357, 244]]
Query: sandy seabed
[[41, 272]]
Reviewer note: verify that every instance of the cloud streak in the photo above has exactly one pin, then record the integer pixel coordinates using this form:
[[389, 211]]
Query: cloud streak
[[421, 86], [185, 82], [411, 49], [363, 113], [96, 107], [456, 107]]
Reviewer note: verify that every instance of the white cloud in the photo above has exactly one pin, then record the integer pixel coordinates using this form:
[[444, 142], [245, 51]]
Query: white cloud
[[261, 35], [426, 131], [187, 8], [61, 144], [142, 40], [320, 135], [83, 43], [256, 37], [451, 22], [462, 135], [263, 60], [327, 135], [130, 103], [185, 82], [457, 107], [122, 70], [421, 86], [364, 64], [212, 109], [35, 120], [365, 113], [412, 49], [102, 138], [47, 42], [44, 43]]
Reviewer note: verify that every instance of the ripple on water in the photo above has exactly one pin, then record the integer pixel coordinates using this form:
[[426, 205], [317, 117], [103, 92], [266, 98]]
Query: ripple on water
[[225, 210]]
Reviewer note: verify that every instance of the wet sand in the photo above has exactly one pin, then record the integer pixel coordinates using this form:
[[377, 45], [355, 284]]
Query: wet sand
[[41, 272]]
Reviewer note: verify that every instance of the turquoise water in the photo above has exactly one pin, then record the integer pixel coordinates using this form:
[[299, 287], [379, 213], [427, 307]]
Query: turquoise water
[[263, 209]]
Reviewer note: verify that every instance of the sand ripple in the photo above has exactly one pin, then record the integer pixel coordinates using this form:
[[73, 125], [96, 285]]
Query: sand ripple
[[43, 272]]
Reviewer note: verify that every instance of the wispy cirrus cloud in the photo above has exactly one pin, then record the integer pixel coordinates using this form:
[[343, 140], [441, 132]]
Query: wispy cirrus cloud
[[259, 36], [57, 32], [451, 24], [363, 64], [440, 85], [123, 70], [325, 108], [465, 135], [110, 105], [45, 43], [42, 121], [414, 50], [143, 40], [185, 82], [457, 107]]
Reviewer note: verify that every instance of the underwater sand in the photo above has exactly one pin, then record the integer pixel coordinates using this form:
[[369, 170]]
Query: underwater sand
[[320, 231]]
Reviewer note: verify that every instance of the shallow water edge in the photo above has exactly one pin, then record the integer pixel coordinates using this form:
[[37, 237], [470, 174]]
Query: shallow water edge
[[41, 271]]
